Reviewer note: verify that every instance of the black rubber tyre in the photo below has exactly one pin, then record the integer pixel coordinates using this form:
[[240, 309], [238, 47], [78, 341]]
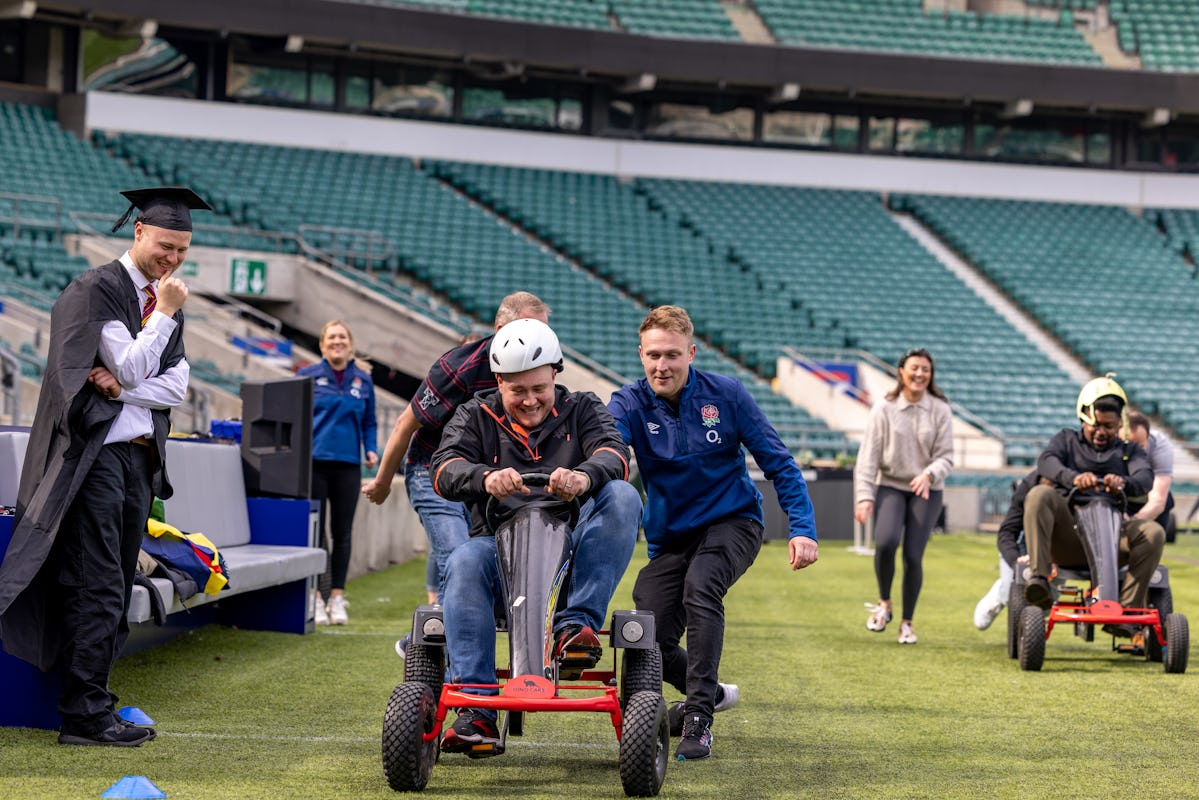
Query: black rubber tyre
[[516, 723], [1163, 600], [1179, 638], [1015, 607], [644, 745], [1032, 638], [407, 759], [1171, 528], [425, 664], [640, 671]]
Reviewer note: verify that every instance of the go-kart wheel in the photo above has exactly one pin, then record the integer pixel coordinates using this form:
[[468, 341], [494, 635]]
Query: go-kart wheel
[[1178, 640], [1032, 638], [407, 758], [644, 745], [516, 723], [1015, 606], [1163, 600], [640, 671], [425, 664]]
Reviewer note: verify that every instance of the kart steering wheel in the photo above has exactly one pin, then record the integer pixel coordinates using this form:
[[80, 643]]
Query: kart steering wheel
[[1078, 497], [547, 501]]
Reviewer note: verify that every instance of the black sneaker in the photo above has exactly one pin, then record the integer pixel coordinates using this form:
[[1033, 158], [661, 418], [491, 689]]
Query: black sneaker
[[696, 742], [1038, 592], [473, 733], [120, 734]]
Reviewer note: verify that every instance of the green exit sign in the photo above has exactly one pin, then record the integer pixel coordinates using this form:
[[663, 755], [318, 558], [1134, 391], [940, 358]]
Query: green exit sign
[[247, 277]]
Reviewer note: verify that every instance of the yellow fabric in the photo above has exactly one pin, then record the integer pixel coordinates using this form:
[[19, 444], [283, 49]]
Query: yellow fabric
[[216, 581]]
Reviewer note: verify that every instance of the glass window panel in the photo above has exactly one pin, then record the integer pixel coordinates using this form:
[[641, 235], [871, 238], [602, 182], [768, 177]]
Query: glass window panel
[[928, 136], [676, 120], [798, 127], [881, 132]]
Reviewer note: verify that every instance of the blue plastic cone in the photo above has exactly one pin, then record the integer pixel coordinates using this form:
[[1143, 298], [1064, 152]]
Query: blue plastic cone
[[135, 715], [134, 787]]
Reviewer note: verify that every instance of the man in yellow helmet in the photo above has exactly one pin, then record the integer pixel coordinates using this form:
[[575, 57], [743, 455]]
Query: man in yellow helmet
[[1093, 459]]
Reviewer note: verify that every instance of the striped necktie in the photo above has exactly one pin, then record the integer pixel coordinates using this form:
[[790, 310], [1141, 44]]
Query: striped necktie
[[151, 303]]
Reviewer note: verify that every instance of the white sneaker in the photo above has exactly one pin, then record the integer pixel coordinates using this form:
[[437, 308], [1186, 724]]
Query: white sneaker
[[878, 619], [337, 610], [320, 616], [731, 695], [988, 608], [906, 634]]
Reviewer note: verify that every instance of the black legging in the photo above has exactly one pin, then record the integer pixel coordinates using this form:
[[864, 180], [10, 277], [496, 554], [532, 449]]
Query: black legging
[[336, 484], [900, 515]]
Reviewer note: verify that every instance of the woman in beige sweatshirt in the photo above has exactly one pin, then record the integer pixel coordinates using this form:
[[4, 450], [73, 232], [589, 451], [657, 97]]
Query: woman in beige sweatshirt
[[899, 478]]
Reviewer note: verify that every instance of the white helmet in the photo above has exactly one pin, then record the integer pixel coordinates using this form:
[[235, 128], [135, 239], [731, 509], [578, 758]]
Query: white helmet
[[523, 344]]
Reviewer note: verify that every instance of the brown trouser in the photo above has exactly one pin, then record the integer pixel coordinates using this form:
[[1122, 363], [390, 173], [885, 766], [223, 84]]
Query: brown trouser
[[1052, 538]]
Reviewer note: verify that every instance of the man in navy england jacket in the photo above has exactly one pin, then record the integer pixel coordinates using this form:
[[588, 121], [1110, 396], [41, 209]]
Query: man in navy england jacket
[[529, 424], [703, 515]]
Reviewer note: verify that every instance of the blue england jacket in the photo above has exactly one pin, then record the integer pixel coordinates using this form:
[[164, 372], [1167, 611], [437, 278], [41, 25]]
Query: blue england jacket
[[691, 460], [343, 417]]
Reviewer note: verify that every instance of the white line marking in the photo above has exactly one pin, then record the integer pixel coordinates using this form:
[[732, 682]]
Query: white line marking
[[512, 742]]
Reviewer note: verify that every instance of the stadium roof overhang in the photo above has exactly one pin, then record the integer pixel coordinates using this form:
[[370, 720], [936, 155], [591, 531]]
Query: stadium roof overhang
[[611, 55]]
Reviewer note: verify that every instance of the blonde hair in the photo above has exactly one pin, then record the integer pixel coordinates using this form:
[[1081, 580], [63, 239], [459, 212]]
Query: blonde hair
[[514, 304], [668, 318]]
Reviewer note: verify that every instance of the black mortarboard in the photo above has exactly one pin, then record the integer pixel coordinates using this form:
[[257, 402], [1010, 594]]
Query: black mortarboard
[[165, 207]]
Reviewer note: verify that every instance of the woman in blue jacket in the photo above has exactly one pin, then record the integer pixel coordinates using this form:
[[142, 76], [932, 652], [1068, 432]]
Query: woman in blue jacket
[[343, 430]]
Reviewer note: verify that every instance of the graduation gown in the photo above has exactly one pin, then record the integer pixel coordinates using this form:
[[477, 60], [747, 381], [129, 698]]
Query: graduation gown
[[68, 431]]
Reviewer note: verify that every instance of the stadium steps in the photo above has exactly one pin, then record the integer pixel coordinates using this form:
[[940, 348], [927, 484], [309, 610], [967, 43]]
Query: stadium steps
[[747, 22]]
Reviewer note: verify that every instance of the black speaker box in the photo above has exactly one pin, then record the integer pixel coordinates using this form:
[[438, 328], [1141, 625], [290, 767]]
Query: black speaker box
[[276, 437]]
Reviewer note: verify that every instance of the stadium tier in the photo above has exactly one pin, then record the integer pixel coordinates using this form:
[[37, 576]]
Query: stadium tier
[[903, 26], [1164, 32], [890, 25], [1104, 281], [845, 260]]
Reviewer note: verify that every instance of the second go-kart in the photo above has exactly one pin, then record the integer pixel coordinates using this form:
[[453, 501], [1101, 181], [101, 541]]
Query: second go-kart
[[534, 558], [1087, 595]]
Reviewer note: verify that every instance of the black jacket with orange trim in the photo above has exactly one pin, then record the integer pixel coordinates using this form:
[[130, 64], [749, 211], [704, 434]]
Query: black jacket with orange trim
[[579, 434]]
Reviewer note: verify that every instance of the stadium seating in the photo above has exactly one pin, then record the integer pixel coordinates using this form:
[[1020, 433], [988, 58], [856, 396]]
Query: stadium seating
[[903, 26], [434, 235], [704, 19], [840, 256], [1104, 281], [1164, 32]]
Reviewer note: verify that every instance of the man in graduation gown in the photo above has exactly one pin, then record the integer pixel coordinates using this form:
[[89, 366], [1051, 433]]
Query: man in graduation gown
[[116, 367]]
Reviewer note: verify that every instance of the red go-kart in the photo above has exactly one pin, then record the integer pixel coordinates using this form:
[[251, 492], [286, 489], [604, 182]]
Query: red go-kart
[[534, 558], [1088, 595]]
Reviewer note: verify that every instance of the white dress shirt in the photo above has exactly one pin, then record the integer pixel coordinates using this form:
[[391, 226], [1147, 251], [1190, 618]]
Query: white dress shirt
[[134, 360]]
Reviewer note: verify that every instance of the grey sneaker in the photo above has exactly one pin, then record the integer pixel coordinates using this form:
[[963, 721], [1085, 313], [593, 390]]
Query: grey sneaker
[[402, 645]]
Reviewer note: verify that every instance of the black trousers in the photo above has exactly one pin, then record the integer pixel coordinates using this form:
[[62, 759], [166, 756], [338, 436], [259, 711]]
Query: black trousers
[[337, 485], [685, 587], [97, 546]]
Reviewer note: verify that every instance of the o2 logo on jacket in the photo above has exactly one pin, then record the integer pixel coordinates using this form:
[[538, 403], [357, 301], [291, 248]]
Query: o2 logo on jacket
[[710, 415], [356, 388]]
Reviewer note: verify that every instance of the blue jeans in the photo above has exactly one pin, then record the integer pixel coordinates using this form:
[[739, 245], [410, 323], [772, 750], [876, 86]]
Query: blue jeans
[[447, 523], [602, 545]]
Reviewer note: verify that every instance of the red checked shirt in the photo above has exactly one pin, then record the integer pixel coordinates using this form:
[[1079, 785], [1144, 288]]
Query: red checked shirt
[[457, 376]]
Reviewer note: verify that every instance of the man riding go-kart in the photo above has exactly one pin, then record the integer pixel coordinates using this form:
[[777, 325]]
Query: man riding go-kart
[[1076, 518], [1091, 460], [529, 424]]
